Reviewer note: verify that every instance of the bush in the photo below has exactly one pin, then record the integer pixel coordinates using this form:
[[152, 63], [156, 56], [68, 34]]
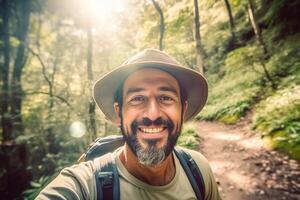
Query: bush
[[278, 118], [36, 187], [234, 94], [189, 137]]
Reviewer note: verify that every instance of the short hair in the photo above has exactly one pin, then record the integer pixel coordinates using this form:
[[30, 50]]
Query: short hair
[[118, 97]]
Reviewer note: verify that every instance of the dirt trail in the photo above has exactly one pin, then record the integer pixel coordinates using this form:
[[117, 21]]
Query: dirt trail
[[243, 168]]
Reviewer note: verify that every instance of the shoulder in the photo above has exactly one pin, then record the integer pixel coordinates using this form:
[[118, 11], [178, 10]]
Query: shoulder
[[84, 172], [211, 187], [201, 161], [74, 182], [82, 169]]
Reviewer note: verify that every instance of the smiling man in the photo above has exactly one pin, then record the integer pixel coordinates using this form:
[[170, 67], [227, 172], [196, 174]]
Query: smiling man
[[148, 97], [151, 114]]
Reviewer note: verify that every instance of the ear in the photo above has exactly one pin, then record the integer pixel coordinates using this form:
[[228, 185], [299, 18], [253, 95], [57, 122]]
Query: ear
[[117, 111], [185, 107]]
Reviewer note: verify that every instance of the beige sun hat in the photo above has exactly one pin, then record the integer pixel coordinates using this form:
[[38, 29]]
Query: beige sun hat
[[191, 81]]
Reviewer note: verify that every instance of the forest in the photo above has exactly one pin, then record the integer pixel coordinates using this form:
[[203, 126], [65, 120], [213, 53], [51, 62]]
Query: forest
[[52, 51]]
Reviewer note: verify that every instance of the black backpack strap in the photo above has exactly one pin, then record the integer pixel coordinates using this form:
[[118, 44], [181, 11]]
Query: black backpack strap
[[107, 178], [192, 171], [102, 146]]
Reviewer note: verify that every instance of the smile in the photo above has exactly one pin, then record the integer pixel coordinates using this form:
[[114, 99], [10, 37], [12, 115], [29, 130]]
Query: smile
[[152, 130]]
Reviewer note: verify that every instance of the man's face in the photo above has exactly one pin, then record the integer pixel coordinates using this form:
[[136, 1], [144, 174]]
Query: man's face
[[151, 115]]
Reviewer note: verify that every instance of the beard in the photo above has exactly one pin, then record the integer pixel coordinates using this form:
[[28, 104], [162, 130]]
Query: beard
[[151, 155]]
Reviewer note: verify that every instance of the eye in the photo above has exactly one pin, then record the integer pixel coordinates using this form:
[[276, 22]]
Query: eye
[[166, 99], [137, 100]]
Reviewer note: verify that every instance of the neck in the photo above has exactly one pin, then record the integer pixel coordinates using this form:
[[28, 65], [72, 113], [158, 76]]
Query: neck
[[157, 175]]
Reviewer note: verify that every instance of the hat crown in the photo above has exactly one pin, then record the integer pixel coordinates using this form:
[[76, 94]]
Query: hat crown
[[151, 55]]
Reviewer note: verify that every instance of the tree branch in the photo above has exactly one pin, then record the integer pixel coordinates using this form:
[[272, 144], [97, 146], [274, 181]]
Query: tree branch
[[47, 93], [42, 63]]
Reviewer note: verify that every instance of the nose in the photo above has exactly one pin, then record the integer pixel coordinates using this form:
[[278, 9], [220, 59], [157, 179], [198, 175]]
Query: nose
[[152, 110]]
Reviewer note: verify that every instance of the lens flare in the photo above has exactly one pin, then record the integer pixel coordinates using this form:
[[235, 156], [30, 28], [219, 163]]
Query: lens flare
[[77, 129]]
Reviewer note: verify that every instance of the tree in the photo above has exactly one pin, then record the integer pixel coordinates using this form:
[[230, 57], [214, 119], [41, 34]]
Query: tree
[[199, 47], [257, 31], [12, 100], [259, 37], [92, 104], [162, 24], [6, 123], [231, 21], [20, 61], [15, 17], [49, 72]]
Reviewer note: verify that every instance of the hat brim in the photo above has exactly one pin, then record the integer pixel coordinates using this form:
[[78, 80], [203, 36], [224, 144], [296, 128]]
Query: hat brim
[[191, 81]]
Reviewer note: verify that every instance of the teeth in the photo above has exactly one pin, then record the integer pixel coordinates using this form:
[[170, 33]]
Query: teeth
[[152, 130]]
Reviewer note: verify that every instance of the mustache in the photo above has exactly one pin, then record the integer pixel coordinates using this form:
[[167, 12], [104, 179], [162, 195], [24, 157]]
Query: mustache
[[148, 122]]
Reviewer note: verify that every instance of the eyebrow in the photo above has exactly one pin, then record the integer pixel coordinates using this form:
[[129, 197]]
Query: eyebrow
[[163, 88], [169, 89], [134, 90]]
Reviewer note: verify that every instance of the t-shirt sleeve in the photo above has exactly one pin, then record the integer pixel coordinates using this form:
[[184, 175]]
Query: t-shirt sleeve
[[211, 186], [76, 182]]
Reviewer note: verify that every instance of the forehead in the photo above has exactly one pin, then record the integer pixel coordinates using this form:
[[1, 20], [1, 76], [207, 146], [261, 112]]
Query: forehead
[[150, 76]]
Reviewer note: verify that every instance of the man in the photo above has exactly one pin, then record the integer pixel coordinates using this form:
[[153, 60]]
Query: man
[[148, 97]]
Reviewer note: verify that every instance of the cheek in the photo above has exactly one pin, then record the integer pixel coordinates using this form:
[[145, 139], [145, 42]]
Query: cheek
[[126, 125], [174, 114], [128, 118]]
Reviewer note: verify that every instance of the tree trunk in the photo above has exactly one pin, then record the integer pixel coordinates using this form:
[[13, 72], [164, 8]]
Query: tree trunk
[[20, 61], [5, 112], [199, 48], [231, 21], [15, 178], [92, 105], [257, 29], [261, 42], [54, 145], [13, 156], [162, 24]]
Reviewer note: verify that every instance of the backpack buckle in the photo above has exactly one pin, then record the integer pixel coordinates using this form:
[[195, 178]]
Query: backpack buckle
[[106, 179]]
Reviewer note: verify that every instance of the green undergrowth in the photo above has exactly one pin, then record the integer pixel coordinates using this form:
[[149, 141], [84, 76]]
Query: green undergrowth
[[236, 89], [240, 86], [277, 116], [188, 137], [278, 119]]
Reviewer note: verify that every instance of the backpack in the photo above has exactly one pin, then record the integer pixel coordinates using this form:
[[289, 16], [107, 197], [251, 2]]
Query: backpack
[[107, 177]]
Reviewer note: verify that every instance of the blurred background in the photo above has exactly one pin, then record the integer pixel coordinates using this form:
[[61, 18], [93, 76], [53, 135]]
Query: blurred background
[[51, 52]]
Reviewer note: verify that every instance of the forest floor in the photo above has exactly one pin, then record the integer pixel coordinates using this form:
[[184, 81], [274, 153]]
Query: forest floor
[[243, 168]]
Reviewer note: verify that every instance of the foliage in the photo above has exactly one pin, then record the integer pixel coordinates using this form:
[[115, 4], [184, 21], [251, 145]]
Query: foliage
[[282, 15], [278, 118], [189, 137], [285, 59], [36, 187], [231, 96], [277, 115], [216, 34]]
